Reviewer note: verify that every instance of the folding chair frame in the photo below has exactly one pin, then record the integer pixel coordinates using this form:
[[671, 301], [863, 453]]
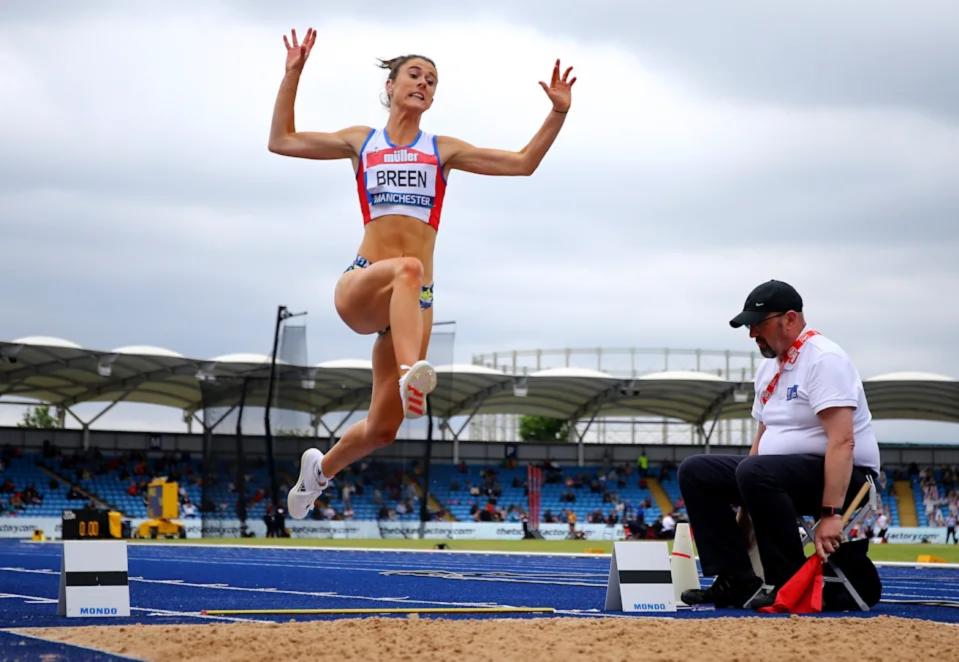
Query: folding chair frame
[[849, 521]]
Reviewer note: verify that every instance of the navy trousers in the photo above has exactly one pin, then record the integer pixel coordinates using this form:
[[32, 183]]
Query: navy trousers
[[774, 489]]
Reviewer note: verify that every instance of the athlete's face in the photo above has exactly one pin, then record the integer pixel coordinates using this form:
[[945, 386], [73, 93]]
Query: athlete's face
[[414, 86]]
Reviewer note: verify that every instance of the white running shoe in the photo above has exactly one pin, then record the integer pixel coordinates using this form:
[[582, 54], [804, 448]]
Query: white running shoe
[[418, 382], [299, 500]]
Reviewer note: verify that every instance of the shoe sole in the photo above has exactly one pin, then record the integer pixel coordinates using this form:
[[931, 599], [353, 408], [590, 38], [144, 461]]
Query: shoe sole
[[420, 381], [299, 483]]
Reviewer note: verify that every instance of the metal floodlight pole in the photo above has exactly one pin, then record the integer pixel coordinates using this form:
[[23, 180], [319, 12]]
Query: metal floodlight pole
[[424, 501], [282, 313]]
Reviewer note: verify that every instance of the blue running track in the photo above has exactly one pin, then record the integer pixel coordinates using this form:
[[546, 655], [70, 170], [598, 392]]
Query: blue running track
[[175, 583]]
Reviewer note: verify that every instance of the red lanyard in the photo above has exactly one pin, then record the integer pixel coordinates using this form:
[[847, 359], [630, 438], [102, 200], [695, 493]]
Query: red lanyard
[[791, 355]]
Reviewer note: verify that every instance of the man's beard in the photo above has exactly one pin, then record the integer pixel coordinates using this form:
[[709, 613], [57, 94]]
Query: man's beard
[[767, 351]]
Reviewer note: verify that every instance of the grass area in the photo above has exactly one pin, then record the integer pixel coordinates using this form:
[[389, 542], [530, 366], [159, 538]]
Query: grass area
[[948, 553]]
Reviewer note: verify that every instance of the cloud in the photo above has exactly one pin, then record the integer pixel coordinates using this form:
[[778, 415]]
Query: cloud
[[707, 150]]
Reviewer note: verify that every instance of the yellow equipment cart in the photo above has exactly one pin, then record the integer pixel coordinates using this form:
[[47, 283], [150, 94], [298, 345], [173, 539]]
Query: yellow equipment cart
[[163, 507]]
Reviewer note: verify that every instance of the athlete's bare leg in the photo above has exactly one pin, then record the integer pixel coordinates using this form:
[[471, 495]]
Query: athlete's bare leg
[[385, 416], [385, 294]]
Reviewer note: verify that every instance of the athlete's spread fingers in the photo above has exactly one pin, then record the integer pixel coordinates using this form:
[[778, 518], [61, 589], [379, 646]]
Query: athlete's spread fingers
[[286, 42], [566, 73], [295, 42], [572, 81]]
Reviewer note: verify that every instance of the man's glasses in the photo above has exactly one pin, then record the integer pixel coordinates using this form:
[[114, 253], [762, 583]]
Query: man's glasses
[[763, 321]]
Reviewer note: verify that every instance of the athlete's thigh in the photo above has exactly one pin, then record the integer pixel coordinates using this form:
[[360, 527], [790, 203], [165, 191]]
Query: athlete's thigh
[[362, 296]]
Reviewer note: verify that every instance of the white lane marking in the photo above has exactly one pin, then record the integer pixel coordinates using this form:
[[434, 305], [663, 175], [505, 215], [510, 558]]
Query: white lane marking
[[490, 576], [151, 610], [273, 590], [379, 568], [320, 594], [375, 549], [537, 555]]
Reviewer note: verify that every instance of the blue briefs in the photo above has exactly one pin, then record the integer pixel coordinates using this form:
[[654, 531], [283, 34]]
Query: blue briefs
[[426, 291]]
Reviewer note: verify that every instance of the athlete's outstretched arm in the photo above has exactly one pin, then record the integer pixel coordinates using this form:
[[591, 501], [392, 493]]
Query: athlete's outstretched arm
[[461, 155], [284, 138]]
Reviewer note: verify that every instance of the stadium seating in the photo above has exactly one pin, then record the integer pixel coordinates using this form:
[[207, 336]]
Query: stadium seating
[[377, 488]]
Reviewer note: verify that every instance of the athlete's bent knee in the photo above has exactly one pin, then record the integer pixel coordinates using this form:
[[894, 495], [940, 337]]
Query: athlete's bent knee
[[410, 269]]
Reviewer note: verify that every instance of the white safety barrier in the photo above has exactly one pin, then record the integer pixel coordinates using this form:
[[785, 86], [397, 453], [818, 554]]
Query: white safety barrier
[[93, 579], [640, 577]]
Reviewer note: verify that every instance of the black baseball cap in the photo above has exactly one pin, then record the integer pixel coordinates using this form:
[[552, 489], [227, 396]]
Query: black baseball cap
[[773, 296]]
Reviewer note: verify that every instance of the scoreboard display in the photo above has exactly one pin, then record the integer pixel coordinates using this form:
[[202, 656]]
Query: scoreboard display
[[91, 523]]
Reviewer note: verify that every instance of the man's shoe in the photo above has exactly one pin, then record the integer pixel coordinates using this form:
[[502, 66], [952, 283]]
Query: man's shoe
[[299, 500], [726, 591], [764, 597]]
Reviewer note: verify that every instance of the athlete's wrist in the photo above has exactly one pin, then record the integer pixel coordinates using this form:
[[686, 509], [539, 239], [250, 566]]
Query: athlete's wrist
[[561, 112]]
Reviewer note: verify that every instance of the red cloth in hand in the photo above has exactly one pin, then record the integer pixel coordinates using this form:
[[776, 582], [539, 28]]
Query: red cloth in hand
[[802, 594]]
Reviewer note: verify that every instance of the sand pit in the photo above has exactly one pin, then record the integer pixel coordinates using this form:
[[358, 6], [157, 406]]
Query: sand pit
[[528, 640]]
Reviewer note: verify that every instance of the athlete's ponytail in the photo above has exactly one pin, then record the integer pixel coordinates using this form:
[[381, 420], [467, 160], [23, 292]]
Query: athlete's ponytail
[[393, 66]]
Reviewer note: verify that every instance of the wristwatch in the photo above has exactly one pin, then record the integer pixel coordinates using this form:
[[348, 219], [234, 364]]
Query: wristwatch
[[830, 511]]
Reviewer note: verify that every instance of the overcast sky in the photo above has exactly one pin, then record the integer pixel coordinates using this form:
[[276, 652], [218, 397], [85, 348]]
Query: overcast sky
[[708, 148]]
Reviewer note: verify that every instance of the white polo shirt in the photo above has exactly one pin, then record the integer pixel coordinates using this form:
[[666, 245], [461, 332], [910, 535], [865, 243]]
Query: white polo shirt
[[823, 376]]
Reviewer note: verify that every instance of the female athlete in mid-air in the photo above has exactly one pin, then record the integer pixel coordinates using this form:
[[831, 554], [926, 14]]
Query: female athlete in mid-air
[[401, 175]]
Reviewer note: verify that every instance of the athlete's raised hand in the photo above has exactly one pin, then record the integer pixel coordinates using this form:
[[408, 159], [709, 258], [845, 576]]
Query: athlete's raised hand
[[559, 89], [297, 53]]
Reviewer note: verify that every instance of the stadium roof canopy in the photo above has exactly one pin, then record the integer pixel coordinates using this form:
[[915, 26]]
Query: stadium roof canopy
[[62, 373]]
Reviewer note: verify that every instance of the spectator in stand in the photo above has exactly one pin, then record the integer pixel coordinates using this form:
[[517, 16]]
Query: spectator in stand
[[667, 526], [642, 463], [571, 520], [16, 501], [882, 525], [132, 489], [74, 494], [951, 528], [948, 479], [188, 509], [269, 518]]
